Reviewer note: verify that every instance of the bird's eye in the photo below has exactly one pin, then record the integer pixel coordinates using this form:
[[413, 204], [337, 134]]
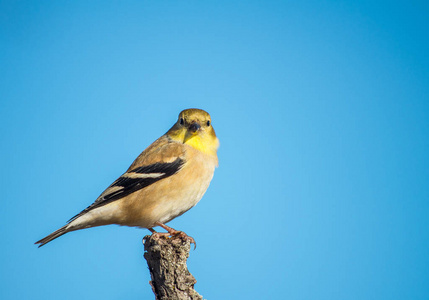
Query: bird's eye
[[182, 121], [208, 123]]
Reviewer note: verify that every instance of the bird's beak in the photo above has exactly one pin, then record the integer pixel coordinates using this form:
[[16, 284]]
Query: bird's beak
[[194, 127], [192, 131]]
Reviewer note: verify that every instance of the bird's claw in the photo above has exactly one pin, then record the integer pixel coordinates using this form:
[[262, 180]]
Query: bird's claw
[[174, 234], [185, 237]]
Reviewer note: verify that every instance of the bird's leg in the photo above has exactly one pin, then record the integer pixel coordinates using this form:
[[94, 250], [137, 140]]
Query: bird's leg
[[174, 232], [159, 234], [170, 230]]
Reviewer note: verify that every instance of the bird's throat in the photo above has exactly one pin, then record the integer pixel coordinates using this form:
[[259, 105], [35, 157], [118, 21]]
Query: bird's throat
[[206, 145]]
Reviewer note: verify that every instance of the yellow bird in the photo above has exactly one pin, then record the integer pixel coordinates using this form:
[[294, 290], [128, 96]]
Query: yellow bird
[[166, 180]]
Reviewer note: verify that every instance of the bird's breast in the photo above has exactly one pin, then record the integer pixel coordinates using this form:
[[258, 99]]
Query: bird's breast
[[172, 196]]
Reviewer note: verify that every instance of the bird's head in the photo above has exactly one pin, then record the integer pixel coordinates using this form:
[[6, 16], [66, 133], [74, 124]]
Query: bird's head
[[194, 128]]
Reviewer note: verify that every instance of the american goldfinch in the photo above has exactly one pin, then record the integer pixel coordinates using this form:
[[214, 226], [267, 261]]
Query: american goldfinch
[[166, 180]]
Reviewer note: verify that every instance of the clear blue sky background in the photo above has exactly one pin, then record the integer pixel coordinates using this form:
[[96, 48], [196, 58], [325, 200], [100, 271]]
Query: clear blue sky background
[[322, 110]]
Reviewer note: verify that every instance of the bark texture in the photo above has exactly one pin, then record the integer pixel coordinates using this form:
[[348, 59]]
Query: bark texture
[[166, 258]]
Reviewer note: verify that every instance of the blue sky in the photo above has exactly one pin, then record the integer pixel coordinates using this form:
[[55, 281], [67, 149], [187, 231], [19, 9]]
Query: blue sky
[[322, 111]]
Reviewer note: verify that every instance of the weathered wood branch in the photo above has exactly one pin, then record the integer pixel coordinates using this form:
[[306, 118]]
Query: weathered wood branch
[[166, 258]]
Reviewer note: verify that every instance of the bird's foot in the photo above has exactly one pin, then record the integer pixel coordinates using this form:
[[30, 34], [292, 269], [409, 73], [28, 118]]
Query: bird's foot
[[185, 237], [158, 235], [174, 233]]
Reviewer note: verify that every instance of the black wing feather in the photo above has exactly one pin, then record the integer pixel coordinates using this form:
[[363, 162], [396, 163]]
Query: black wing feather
[[130, 185]]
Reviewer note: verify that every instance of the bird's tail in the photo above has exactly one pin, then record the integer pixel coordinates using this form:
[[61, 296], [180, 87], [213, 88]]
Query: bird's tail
[[53, 236]]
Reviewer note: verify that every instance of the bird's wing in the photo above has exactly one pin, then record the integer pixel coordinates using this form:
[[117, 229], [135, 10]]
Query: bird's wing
[[140, 176]]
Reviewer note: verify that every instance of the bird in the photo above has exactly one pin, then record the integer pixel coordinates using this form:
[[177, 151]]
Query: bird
[[167, 179]]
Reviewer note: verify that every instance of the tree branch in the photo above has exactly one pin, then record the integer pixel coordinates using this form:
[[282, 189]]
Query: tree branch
[[166, 259]]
